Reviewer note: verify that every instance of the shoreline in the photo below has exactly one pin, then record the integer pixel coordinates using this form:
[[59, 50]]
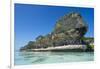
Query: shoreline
[[65, 48]]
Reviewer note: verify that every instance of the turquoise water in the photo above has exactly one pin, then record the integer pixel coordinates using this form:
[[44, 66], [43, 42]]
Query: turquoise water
[[26, 58]]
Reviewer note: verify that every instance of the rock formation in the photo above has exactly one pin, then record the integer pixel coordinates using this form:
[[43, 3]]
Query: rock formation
[[72, 25], [69, 29]]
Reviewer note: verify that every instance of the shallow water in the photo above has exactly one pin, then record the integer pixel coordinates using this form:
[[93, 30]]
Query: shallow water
[[26, 58]]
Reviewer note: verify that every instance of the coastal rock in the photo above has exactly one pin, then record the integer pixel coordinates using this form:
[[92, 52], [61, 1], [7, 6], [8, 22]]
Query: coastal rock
[[69, 30], [72, 25]]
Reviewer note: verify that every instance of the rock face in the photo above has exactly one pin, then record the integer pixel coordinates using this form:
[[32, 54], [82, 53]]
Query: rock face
[[69, 29], [72, 25]]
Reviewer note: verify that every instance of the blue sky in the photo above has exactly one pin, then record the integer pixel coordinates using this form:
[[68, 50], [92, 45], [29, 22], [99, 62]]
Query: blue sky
[[34, 20]]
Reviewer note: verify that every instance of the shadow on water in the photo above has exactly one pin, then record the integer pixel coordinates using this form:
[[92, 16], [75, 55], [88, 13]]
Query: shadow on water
[[39, 60]]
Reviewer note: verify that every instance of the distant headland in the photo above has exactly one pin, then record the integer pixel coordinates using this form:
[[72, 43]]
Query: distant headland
[[67, 35]]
